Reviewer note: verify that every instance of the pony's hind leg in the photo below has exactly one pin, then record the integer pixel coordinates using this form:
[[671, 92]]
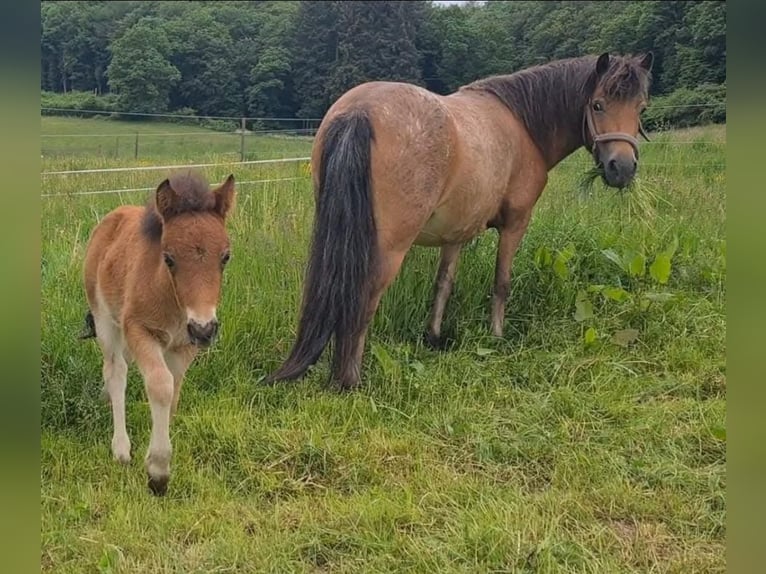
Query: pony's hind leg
[[115, 372], [445, 279]]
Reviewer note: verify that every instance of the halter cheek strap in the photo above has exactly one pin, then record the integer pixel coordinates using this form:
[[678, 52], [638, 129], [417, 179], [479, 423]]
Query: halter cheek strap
[[589, 128]]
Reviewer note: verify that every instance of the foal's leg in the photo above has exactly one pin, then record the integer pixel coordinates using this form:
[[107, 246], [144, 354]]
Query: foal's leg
[[115, 373], [178, 361], [160, 389], [510, 238], [445, 278], [348, 376]]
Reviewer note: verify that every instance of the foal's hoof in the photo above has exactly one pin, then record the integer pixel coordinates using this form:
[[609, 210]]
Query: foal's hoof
[[158, 485]]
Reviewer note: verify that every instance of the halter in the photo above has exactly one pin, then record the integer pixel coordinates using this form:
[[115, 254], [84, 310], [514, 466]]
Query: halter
[[589, 128]]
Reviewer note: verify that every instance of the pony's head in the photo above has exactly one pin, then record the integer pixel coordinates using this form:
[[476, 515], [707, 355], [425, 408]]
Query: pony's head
[[195, 246], [611, 121]]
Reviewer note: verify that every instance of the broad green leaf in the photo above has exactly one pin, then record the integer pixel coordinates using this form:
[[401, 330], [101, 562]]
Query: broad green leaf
[[637, 265], [560, 267], [590, 336], [671, 249], [612, 255], [583, 307], [542, 257], [660, 268], [616, 294], [387, 363], [568, 252], [596, 288], [625, 337]]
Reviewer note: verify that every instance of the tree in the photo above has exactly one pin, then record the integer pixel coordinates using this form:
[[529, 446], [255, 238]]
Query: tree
[[314, 46], [140, 71], [376, 41], [200, 49]]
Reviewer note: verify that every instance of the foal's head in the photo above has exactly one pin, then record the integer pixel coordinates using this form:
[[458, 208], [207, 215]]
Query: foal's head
[[620, 92], [188, 220]]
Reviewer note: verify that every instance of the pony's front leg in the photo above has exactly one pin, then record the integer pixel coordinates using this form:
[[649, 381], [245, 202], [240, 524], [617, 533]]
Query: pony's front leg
[[510, 238], [158, 380]]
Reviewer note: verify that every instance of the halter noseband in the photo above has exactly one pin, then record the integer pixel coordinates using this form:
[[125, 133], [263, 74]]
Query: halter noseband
[[589, 129]]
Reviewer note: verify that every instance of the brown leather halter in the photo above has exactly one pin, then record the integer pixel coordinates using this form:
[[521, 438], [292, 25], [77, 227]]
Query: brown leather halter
[[589, 129]]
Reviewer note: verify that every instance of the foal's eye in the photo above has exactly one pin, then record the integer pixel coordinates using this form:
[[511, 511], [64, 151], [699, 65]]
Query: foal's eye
[[225, 258], [169, 261], [597, 107]]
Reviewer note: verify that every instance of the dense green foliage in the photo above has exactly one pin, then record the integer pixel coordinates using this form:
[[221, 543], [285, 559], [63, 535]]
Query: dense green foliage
[[288, 59]]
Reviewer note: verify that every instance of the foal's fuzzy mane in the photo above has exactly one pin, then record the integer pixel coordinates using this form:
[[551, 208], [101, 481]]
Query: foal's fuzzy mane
[[551, 97], [193, 195]]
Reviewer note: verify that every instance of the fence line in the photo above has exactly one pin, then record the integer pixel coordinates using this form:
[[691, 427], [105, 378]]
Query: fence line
[[112, 191], [159, 167], [165, 134], [180, 116]]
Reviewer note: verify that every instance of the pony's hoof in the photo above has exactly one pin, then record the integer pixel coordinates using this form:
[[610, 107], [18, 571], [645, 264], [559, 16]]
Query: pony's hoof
[[435, 342], [158, 485]]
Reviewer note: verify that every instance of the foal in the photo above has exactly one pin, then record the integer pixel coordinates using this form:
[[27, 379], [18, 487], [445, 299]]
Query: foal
[[153, 281]]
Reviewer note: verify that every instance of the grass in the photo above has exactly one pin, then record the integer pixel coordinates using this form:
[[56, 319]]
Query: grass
[[538, 452]]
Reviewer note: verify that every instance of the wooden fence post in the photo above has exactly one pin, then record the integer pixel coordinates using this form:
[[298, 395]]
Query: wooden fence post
[[242, 141]]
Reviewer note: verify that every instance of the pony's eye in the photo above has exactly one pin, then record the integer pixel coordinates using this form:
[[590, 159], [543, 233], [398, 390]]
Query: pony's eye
[[225, 258], [597, 107], [169, 261]]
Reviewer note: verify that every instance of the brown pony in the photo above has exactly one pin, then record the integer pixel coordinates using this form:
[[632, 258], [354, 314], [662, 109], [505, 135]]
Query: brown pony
[[395, 165], [153, 281]]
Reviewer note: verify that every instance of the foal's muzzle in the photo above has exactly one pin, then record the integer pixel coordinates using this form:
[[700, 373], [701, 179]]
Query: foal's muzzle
[[202, 335]]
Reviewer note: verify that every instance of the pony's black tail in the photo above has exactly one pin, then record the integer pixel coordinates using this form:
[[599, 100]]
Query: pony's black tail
[[89, 331], [343, 250]]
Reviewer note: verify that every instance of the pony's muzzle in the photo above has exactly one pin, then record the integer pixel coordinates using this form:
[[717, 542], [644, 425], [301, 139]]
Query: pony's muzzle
[[619, 170], [200, 334]]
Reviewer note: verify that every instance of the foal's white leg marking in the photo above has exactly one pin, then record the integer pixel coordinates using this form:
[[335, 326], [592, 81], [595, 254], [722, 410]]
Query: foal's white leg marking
[[158, 381], [159, 386], [116, 385], [115, 381]]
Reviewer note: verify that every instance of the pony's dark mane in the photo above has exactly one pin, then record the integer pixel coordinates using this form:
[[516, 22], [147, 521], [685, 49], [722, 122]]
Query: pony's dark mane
[[550, 98], [194, 195]]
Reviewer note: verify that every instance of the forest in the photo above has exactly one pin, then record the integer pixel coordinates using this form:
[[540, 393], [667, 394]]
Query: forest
[[293, 59]]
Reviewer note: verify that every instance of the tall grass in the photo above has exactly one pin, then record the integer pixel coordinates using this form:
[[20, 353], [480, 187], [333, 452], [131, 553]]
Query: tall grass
[[543, 451]]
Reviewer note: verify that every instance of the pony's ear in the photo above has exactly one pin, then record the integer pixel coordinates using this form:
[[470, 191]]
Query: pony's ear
[[602, 64], [646, 61], [224, 196], [165, 198]]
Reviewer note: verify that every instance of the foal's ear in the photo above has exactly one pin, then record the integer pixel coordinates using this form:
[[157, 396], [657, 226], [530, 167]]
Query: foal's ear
[[165, 198], [224, 196], [602, 64], [646, 61]]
